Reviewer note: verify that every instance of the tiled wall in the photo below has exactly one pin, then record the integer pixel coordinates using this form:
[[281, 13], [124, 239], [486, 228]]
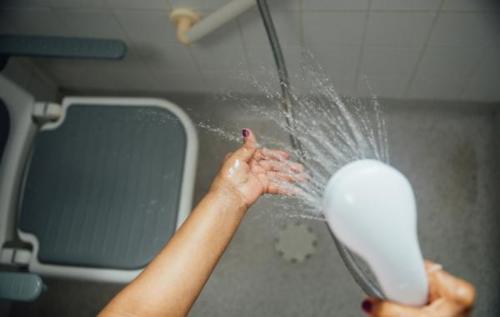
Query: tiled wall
[[423, 49], [29, 77]]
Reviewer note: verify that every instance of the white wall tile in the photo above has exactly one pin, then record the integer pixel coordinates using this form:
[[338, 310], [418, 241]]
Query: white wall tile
[[89, 23], [485, 82], [284, 5], [440, 88], [31, 21], [387, 70], [124, 76], [335, 5], [261, 60], [170, 58], [132, 74], [229, 82], [197, 5], [19, 72], [449, 61], [383, 61], [153, 37], [384, 87], [142, 4], [466, 29], [146, 29], [8, 21], [180, 82], [331, 28], [338, 61], [78, 3], [341, 87], [211, 5], [42, 87], [471, 5], [444, 72], [24, 3], [405, 4], [221, 50], [399, 29], [67, 73], [26, 75], [287, 25]]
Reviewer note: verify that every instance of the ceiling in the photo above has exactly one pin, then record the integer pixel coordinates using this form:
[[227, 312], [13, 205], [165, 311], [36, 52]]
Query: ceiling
[[425, 49]]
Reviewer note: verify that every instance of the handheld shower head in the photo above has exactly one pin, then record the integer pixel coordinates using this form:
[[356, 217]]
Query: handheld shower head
[[370, 207]]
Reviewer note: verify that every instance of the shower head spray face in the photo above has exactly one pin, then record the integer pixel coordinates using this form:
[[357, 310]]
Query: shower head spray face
[[370, 207]]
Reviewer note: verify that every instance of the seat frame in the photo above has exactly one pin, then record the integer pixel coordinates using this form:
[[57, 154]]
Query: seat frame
[[21, 107]]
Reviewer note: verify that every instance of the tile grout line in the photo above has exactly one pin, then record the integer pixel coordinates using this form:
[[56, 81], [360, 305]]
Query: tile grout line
[[413, 74], [244, 45], [362, 49], [301, 24]]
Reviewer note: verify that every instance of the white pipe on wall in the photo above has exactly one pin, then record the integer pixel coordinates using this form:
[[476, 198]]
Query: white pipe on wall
[[218, 18], [197, 30]]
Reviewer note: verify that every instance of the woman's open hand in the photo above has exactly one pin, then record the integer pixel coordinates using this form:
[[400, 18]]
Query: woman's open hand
[[449, 296], [252, 171]]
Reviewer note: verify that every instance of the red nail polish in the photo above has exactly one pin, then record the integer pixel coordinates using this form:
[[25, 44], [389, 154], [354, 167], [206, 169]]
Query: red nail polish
[[367, 306], [245, 133]]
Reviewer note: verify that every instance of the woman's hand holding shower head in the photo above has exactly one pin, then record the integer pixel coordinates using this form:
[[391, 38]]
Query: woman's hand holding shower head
[[449, 296]]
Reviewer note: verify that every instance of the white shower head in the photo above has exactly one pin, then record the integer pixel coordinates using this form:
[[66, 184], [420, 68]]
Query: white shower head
[[370, 207]]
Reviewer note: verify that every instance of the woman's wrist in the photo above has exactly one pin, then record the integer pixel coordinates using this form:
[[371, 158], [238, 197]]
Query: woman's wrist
[[228, 197]]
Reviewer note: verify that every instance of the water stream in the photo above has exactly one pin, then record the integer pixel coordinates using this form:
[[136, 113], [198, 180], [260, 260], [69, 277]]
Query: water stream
[[332, 130]]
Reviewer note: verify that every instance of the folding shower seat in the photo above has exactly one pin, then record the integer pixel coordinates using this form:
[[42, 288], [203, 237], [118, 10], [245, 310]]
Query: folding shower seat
[[90, 189]]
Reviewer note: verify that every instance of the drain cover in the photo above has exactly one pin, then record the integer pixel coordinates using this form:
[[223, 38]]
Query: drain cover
[[295, 242]]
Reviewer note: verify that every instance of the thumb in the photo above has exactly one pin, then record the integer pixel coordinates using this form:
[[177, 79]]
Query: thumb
[[246, 152], [379, 308]]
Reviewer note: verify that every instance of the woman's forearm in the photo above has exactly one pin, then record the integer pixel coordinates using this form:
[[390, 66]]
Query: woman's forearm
[[173, 280]]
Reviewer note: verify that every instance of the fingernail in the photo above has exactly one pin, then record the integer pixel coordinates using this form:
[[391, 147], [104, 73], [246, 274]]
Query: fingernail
[[367, 306], [245, 133]]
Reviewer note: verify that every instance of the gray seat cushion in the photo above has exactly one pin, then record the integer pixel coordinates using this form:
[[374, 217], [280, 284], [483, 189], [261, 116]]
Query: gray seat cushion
[[103, 189]]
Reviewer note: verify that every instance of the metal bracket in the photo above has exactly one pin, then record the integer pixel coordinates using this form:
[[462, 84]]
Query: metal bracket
[[44, 112], [17, 257]]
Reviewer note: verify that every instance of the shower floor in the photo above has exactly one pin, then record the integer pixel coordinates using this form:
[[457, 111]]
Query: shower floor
[[449, 152]]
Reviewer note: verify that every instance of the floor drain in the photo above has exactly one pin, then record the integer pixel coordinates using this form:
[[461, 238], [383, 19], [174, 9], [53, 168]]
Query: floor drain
[[295, 242]]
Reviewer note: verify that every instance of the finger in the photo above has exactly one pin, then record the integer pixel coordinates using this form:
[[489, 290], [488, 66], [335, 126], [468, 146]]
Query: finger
[[286, 177], [275, 154], [246, 152], [257, 156], [256, 168], [281, 188], [453, 288], [280, 166], [443, 284], [432, 268], [378, 308], [445, 308]]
